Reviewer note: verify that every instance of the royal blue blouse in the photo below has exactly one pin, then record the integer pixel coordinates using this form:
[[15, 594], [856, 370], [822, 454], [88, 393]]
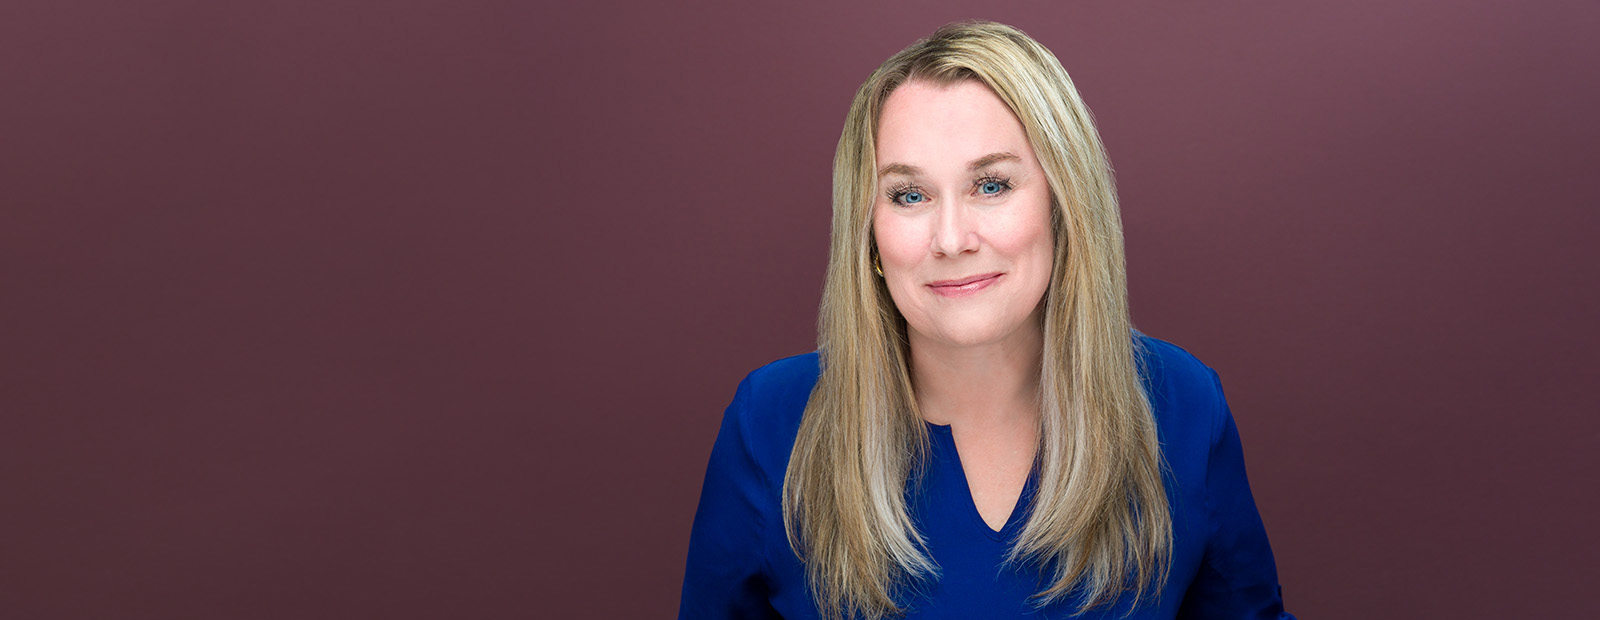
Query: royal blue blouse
[[740, 564]]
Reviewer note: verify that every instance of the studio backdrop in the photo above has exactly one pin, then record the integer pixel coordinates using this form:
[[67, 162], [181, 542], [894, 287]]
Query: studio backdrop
[[420, 310]]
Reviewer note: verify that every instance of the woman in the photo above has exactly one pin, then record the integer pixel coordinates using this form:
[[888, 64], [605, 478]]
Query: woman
[[981, 433]]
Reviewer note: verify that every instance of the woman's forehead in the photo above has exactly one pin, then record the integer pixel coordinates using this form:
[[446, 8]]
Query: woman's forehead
[[933, 127]]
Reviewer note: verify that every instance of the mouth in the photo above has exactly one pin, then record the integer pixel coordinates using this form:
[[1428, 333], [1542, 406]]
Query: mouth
[[964, 286]]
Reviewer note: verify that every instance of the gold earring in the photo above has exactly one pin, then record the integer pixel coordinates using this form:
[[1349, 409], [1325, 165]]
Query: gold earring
[[877, 265]]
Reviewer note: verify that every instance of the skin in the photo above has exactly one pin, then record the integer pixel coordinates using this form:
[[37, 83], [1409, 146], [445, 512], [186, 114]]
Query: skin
[[975, 360]]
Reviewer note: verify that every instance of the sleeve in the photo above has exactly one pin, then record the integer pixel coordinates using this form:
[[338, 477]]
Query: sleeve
[[726, 576], [1237, 578]]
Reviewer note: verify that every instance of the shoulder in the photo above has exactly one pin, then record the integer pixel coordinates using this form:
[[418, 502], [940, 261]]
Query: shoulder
[[1171, 369], [781, 381], [1185, 394], [767, 409]]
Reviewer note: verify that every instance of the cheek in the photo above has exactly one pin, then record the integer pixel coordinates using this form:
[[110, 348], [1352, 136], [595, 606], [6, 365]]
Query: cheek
[[902, 248], [1030, 244], [1027, 234], [897, 240]]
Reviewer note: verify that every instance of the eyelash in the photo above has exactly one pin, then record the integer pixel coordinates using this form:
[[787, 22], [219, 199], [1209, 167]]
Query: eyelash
[[898, 191]]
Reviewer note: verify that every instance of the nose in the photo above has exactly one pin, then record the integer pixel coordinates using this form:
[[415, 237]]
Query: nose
[[956, 231]]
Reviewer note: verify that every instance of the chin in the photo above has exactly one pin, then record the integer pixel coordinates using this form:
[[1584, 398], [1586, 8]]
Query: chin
[[968, 335]]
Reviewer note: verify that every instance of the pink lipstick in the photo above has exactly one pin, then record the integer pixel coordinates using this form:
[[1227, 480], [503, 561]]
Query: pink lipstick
[[962, 287]]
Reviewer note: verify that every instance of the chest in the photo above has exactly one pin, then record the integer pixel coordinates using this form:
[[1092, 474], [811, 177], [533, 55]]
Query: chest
[[975, 580], [994, 469]]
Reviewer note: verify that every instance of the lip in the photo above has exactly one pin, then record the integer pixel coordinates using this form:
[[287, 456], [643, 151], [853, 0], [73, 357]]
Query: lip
[[962, 287]]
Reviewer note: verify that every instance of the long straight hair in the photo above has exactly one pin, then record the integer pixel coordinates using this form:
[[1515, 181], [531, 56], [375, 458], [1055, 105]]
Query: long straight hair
[[1099, 523]]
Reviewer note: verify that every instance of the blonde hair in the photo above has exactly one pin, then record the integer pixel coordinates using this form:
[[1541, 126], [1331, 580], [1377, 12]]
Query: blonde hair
[[1099, 522]]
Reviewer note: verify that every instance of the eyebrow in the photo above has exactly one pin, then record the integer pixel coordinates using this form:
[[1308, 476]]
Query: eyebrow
[[977, 164]]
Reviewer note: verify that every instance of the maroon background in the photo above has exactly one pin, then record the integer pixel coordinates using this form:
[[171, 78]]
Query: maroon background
[[431, 309]]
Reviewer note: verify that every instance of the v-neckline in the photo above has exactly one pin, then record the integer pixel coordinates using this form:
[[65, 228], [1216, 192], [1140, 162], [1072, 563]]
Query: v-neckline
[[1013, 520]]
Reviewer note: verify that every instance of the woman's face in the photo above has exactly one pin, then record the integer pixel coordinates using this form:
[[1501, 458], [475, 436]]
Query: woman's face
[[962, 215]]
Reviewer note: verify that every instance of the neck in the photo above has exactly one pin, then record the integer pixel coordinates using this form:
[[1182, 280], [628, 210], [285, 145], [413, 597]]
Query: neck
[[995, 384]]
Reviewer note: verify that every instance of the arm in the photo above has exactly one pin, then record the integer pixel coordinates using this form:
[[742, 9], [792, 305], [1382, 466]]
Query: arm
[[725, 577], [1237, 578]]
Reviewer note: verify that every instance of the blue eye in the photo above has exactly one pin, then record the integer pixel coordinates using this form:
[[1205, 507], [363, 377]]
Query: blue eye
[[993, 185], [906, 194]]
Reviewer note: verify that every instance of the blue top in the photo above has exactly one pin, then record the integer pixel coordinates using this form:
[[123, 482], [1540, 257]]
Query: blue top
[[740, 564]]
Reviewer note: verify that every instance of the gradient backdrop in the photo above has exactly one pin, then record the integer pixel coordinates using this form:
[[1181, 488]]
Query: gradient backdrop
[[416, 310]]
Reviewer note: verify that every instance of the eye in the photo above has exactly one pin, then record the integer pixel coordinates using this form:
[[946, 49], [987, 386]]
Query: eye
[[992, 186], [906, 195]]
